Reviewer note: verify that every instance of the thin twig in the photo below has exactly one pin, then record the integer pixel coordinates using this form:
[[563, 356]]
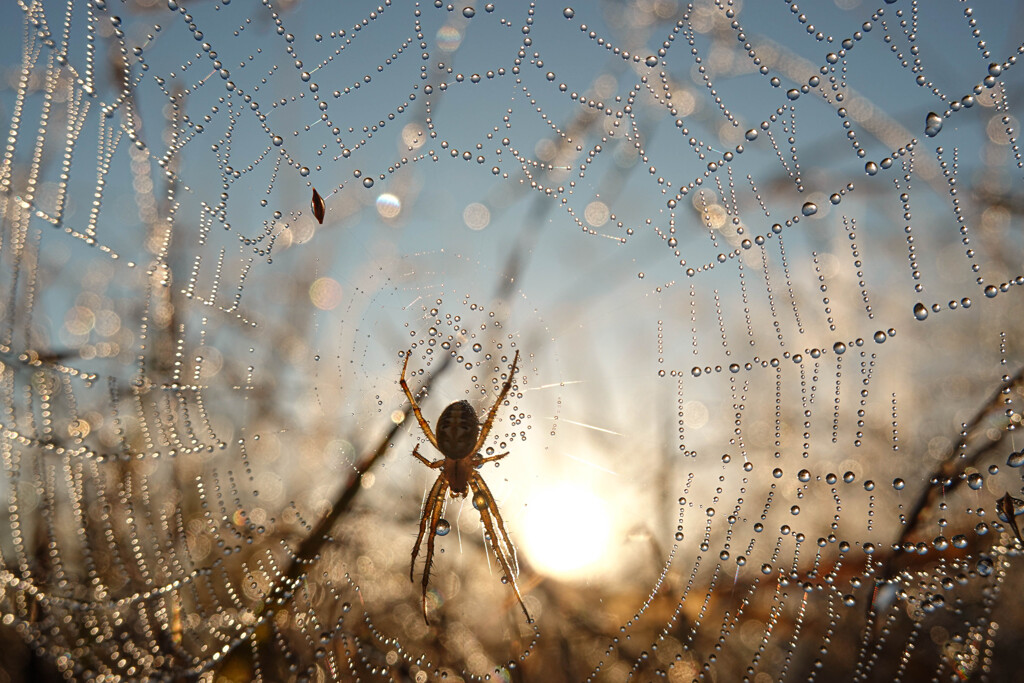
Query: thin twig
[[947, 473]]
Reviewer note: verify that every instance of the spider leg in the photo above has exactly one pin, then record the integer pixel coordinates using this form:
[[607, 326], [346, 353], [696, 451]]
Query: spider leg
[[486, 428], [491, 458], [492, 509], [424, 425], [435, 497], [432, 465], [434, 500], [431, 516], [501, 544]]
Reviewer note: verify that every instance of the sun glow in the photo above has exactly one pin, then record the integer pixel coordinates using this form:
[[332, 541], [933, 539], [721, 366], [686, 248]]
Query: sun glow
[[566, 530]]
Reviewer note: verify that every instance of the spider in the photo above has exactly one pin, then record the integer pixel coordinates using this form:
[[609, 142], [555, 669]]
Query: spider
[[459, 437]]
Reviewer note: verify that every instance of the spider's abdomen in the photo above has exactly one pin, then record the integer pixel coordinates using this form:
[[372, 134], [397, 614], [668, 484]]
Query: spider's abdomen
[[457, 430]]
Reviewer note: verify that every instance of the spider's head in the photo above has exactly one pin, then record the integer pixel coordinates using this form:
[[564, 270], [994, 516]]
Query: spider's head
[[457, 430]]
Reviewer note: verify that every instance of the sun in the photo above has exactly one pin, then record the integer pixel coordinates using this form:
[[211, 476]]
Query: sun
[[566, 530]]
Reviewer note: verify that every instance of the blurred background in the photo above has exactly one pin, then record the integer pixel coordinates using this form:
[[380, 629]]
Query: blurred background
[[760, 263]]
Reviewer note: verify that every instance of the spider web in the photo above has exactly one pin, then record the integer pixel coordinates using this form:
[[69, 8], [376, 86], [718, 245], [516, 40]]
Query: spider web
[[760, 262]]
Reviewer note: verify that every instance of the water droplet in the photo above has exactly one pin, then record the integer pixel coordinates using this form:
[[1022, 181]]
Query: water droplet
[[1016, 459], [898, 484], [809, 209], [975, 481], [932, 124], [920, 311], [468, 12], [839, 348], [443, 527], [367, 182], [569, 13], [651, 61]]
